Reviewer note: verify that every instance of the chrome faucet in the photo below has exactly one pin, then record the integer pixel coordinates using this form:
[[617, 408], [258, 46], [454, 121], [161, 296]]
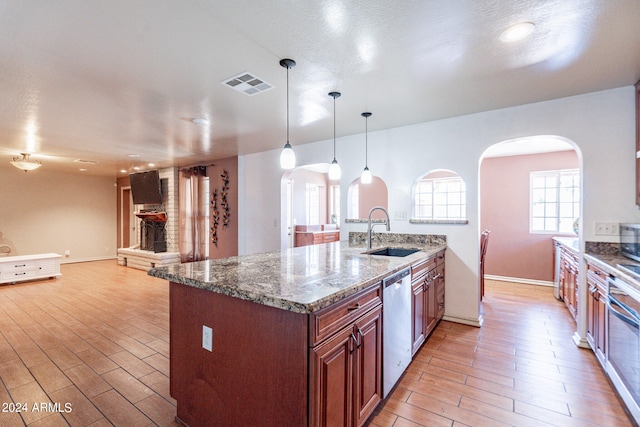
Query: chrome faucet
[[370, 227]]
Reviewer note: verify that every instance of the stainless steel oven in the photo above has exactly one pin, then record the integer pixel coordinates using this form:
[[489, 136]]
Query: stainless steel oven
[[630, 241], [623, 363]]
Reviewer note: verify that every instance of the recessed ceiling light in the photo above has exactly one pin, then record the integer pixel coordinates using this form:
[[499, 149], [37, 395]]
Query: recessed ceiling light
[[83, 170], [136, 168], [151, 165], [200, 121], [517, 32], [123, 171]]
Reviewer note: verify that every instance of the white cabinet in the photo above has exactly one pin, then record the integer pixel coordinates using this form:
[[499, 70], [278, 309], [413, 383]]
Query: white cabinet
[[29, 267]]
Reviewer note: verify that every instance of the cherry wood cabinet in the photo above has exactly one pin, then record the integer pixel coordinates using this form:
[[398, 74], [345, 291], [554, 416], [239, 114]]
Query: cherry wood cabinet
[[346, 361], [273, 367], [315, 234], [597, 312], [568, 286], [427, 302]]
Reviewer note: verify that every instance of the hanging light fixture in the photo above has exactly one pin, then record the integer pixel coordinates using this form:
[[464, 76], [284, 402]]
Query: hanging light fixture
[[25, 163], [287, 157], [334, 168], [366, 177]]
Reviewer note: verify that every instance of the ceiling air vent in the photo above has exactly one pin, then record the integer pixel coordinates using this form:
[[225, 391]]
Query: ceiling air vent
[[247, 83], [86, 162]]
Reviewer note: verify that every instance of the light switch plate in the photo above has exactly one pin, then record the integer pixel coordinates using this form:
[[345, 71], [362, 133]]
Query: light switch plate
[[207, 338]]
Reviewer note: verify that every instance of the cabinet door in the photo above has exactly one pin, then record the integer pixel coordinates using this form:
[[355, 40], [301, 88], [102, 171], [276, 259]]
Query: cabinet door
[[592, 311], [440, 292], [368, 366], [418, 314], [431, 303], [601, 328], [332, 376]]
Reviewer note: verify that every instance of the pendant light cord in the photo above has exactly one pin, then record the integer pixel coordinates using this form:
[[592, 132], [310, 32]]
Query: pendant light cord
[[287, 104], [366, 141], [334, 128]]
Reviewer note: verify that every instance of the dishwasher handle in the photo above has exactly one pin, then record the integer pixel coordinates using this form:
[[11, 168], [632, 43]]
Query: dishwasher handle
[[395, 278]]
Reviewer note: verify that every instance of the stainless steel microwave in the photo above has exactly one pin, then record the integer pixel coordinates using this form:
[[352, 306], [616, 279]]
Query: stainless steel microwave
[[630, 241]]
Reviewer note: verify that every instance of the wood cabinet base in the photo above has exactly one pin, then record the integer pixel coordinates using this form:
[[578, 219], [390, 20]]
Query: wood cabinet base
[[257, 371]]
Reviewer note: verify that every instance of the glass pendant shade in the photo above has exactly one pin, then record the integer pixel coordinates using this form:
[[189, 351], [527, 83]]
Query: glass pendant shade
[[287, 157], [334, 170], [366, 176]]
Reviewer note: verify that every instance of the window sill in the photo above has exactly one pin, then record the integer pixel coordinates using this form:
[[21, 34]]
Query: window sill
[[440, 221]]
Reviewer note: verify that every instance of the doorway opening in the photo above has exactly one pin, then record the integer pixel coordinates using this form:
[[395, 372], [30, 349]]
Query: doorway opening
[[310, 203], [530, 190]]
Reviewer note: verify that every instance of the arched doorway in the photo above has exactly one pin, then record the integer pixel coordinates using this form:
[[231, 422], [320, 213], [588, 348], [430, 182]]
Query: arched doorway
[[529, 191]]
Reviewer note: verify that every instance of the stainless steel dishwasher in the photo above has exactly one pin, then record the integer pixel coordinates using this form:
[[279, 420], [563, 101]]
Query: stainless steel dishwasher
[[396, 320]]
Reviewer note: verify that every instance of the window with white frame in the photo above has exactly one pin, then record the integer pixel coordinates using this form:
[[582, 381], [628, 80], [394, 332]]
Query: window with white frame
[[313, 204], [334, 203], [354, 202], [555, 201], [440, 198]]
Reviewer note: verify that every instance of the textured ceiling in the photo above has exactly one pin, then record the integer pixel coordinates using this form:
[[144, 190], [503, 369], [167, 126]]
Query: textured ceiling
[[99, 80]]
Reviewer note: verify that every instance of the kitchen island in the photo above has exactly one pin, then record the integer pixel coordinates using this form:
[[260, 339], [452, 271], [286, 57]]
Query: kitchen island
[[286, 329]]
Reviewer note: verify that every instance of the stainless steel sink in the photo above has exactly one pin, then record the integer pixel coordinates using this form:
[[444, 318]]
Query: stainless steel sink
[[399, 252]]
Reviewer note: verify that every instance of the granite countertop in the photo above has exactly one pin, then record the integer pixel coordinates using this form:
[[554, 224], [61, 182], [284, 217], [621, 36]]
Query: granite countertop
[[568, 242], [302, 280], [610, 265]]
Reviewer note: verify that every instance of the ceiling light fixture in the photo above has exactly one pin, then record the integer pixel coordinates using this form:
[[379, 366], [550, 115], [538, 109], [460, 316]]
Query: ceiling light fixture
[[517, 32], [287, 157], [366, 177], [334, 168], [25, 163], [200, 121]]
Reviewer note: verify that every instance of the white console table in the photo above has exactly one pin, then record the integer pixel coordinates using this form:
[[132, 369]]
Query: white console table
[[29, 267]]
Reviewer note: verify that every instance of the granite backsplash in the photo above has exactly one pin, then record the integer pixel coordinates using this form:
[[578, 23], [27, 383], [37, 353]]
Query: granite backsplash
[[358, 238]]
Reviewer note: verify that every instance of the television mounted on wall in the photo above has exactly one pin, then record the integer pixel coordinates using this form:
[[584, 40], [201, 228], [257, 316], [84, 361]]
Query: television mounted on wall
[[146, 188]]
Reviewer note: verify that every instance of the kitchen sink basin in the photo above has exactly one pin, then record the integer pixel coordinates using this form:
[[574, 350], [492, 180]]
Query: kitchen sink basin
[[400, 252]]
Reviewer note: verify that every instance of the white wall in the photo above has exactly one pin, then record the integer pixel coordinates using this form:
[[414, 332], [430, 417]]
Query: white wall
[[42, 211], [601, 124]]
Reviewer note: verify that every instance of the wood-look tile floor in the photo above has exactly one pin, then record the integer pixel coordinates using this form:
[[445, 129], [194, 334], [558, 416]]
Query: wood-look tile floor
[[520, 369], [97, 338]]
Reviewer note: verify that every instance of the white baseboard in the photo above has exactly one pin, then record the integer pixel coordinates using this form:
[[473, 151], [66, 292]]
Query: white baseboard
[[519, 280], [464, 320]]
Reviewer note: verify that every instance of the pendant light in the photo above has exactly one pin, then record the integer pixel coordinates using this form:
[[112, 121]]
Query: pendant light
[[366, 177], [287, 157], [334, 168]]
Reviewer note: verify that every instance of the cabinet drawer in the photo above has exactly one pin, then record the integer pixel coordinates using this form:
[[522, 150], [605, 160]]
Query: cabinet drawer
[[420, 269], [333, 318], [597, 278], [19, 266], [331, 237]]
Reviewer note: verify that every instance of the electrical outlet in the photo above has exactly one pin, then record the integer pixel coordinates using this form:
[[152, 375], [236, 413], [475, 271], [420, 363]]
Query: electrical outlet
[[606, 229], [207, 338], [400, 215]]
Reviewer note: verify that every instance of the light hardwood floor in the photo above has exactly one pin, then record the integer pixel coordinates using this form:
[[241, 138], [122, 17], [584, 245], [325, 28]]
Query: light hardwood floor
[[98, 338], [520, 369]]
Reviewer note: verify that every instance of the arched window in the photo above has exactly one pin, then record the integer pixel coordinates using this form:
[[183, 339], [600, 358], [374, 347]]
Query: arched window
[[440, 195]]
